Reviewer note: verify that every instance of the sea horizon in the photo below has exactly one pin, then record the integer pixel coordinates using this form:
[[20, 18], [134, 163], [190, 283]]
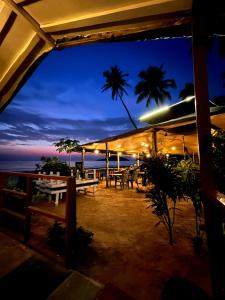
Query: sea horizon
[[30, 165]]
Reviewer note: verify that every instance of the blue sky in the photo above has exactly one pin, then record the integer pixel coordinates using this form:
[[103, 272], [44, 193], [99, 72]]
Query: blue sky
[[63, 97]]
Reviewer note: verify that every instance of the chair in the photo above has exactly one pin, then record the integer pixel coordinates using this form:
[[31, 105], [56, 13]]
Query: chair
[[122, 180], [133, 177]]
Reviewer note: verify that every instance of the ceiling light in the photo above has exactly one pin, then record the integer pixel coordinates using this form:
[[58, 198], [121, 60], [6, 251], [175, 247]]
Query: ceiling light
[[96, 151]]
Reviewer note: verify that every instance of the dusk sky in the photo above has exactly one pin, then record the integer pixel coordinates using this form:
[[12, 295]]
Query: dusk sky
[[63, 97]]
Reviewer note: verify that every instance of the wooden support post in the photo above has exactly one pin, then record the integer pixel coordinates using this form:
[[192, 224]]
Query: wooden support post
[[138, 160], [70, 219], [27, 225], [29, 191], [184, 149], [2, 185], [82, 159], [118, 161], [107, 164], [208, 190], [154, 143]]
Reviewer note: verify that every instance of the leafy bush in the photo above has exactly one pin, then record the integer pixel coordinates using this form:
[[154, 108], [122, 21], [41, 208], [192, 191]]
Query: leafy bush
[[81, 240], [190, 176], [53, 164], [218, 143], [167, 185], [56, 235]]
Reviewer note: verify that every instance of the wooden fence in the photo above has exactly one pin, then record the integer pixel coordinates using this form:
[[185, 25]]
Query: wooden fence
[[69, 217]]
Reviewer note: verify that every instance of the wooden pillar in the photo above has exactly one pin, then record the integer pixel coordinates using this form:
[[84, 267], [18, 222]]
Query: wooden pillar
[[107, 164], [138, 160], [82, 159], [118, 161], [184, 149], [27, 225], [154, 143], [2, 185], [208, 195], [70, 219]]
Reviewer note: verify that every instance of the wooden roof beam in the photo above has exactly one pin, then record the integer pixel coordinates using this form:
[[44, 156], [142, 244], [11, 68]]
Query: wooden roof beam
[[35, 25]]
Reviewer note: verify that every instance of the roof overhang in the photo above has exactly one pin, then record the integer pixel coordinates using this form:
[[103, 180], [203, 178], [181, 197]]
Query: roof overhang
[[29, 29], [174, 136]]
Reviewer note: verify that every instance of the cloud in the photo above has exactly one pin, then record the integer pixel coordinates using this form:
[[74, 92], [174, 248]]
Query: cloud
[[19, 128]]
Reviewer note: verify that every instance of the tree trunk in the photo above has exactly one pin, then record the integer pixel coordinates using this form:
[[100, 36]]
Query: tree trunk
[[129, 115]]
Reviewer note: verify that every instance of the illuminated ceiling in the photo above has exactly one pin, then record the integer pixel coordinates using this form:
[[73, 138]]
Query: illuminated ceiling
[[173, 137], [29, 29]]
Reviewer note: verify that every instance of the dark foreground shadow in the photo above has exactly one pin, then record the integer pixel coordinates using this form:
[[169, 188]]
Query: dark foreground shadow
[[35, 279], [182, 289]]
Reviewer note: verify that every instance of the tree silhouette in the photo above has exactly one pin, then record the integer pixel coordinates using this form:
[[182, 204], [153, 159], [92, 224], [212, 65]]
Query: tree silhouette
[[188, 90], [153, 86], [116, 82]]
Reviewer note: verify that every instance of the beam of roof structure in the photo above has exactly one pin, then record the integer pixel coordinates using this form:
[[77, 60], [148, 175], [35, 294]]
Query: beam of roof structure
[[32, 28], [58, 24], [172, 134]]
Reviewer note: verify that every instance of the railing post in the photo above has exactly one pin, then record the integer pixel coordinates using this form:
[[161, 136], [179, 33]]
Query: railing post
[[2, 185], [27, 225], [70, 219]]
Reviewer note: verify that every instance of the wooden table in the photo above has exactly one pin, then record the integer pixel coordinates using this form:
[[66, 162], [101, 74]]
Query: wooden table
[[58, 187]]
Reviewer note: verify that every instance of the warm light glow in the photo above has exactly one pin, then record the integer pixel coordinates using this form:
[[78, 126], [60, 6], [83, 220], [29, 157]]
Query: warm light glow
[[119, 153], [148, 155], [164, 108], [134, 155], [146, 145], [167, 155], [189, 98], [154, 112], [96, 151], [118, 146], [109, 154], [173, 148]]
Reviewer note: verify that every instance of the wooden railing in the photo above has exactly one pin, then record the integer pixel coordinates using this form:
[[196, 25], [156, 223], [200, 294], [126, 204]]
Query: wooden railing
[[70, 210]]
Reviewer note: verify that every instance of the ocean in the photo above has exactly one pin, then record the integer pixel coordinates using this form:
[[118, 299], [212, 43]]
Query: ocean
[[31, 165]]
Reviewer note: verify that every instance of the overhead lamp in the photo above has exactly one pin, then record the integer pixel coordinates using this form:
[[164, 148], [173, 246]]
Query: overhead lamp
[[146, 145], [148, 155], [119, 153], [134, 155], [96, 151], [173, 148], [118, 146]]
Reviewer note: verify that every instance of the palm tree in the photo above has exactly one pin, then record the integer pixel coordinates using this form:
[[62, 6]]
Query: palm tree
[[116, 82], [188, 90], [153, 86]]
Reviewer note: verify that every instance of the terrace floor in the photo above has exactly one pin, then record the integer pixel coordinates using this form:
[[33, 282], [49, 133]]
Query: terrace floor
[[128, 249]]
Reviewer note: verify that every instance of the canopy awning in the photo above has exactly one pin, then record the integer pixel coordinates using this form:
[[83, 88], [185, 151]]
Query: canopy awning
[[174, 136]]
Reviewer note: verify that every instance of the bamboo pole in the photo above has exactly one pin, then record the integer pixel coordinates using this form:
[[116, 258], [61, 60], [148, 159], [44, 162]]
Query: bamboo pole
[[213, 219]]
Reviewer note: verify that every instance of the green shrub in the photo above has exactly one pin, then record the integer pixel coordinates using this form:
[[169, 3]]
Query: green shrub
[[166, 190], [81, 241], [53, 164]]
